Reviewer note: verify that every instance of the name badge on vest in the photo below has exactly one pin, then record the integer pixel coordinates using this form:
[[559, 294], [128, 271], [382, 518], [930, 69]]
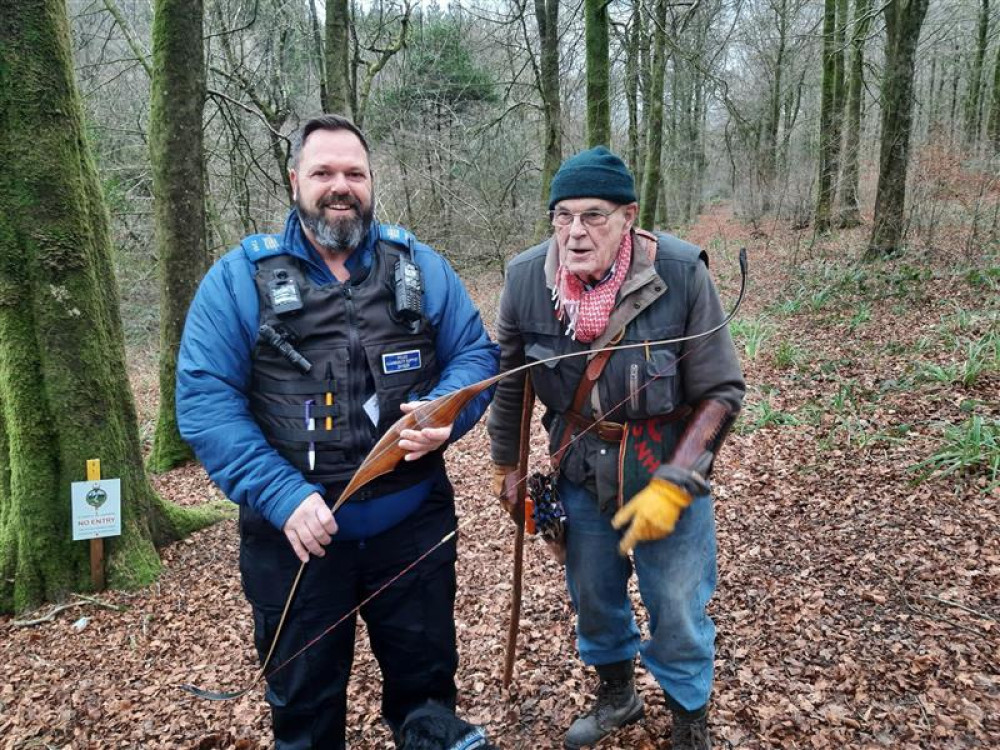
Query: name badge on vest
[[401, 361]]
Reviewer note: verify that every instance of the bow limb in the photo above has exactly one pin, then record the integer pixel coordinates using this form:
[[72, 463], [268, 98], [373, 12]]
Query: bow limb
[[386, 453], [520, 518]]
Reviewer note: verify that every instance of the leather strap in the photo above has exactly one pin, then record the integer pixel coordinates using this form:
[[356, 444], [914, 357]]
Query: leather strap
[[590, 375]]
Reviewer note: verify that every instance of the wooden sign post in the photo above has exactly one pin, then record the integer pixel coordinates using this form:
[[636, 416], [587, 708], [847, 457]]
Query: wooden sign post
[[96, 514], [96, 545]]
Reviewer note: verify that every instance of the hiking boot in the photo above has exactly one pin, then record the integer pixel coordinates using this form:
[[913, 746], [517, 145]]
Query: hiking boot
[[690, 730], [617, 704]]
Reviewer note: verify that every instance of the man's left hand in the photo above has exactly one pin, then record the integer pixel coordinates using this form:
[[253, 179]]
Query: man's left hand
[[419, 443], [653, 512]]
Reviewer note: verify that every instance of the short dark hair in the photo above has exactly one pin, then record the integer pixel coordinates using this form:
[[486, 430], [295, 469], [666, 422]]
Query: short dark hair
[[325, 122]]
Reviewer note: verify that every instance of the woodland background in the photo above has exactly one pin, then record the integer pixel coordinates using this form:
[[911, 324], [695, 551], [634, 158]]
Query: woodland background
[[853, 148]]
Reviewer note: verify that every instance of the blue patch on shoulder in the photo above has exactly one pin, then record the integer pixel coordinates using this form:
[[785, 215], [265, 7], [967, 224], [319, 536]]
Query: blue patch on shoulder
[[395, 234], [260, 246], [401, 361]]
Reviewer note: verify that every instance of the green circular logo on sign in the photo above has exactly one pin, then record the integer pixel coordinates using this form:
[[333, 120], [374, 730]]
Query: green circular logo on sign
[[96, 497]]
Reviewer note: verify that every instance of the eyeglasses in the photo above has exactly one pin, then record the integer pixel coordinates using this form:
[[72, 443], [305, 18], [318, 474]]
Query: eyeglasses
[[592, 218]]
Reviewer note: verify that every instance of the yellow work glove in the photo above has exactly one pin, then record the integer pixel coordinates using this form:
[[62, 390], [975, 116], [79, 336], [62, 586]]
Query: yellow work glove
[[653, 512]]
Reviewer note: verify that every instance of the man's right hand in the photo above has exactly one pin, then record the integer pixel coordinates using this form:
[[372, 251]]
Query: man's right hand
[[505, 488], [310, 527]]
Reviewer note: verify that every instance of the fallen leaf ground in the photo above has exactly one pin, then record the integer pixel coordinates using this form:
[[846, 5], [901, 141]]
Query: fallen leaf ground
[[856, 606]]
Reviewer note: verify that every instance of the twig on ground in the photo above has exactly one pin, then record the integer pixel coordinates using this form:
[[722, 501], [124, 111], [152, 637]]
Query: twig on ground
[[950, 603], [908, 603], [99, 603], [49, 617], [51, 614]]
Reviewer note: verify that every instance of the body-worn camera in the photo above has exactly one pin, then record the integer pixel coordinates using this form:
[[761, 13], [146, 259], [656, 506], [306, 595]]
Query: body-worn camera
[[284, 293]]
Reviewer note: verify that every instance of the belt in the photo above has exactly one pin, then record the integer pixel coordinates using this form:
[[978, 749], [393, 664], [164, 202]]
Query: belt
[[614, 432]]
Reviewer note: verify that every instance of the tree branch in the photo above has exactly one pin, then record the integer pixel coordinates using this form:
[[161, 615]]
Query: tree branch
[[141, 55]]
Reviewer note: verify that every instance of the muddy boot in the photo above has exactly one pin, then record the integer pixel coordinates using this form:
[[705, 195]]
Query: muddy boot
[[690, 731], [617, 704]]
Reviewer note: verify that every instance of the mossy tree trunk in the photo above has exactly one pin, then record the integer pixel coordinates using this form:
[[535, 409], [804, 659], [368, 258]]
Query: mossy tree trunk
[[339, 91], [177, 157], [850, 214], [64, 394], [829, 120], [654, 121], [973, 101], [772, 120], [903, 21], [993, 125], [633, 57], [598, 73], [317, 39], [547, 18]]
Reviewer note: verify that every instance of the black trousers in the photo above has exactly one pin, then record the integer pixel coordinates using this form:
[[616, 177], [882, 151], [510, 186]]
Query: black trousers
[[411, 624]]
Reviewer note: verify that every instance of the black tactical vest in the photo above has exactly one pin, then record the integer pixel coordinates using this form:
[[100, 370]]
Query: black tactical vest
[[364, 359]]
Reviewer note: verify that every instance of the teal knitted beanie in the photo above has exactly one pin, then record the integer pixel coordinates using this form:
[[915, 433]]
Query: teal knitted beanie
[[595, 173]]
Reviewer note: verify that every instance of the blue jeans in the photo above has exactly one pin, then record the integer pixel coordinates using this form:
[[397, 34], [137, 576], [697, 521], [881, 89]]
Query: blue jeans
[[677, 577]]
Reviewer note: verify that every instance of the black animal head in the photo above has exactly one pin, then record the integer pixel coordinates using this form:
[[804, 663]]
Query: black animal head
[[436, 727]]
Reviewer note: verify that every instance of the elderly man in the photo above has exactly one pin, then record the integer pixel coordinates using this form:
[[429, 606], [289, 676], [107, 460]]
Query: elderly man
[[633, 435], [300, 350]]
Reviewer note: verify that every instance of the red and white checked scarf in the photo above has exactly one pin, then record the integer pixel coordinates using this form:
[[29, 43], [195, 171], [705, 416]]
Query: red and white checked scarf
[[586, 311]]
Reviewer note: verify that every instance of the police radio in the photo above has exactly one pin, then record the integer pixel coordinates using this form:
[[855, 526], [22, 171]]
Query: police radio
[[409, 290]]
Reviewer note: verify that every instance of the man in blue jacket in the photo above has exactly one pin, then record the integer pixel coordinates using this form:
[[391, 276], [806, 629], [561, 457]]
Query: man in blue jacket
[[299, 351]]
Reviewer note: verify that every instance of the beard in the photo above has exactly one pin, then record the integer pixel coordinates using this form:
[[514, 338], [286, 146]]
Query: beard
[[337, 235]]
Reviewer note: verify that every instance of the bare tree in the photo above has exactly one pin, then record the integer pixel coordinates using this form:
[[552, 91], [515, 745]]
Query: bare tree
[[850, 213], [634, 55], [547, 18], [830, 117], [973, 99], [654, 120], [598, 73], [341, 94], [993, 128], [903, 22], [177, 157]]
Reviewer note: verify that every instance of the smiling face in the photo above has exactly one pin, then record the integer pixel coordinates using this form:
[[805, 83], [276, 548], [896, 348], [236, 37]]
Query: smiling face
[[332, 186], [588, 252]]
